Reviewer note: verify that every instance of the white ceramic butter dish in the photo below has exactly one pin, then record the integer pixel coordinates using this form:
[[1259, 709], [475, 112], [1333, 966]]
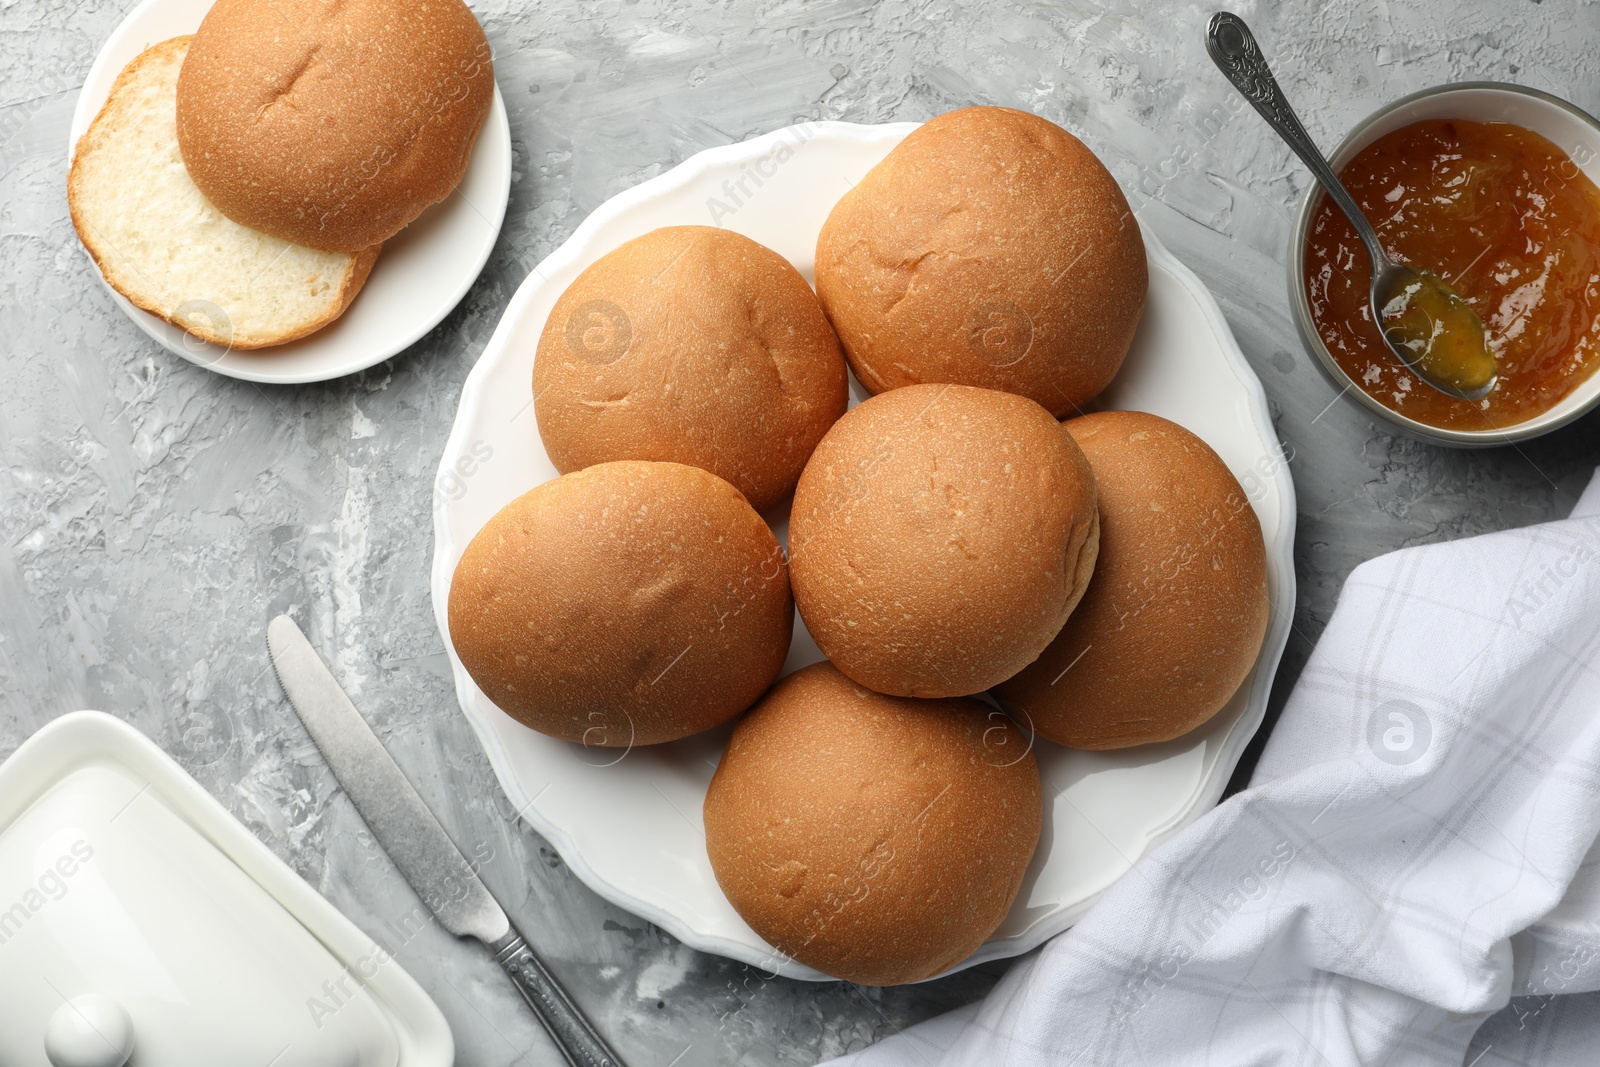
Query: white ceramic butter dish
[[136, 915]]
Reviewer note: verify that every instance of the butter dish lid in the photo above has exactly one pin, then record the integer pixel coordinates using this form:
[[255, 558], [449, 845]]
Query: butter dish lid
[[137, 917]]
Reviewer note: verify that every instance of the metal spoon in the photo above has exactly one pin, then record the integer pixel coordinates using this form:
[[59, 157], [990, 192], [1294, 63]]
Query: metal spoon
[[1428, 326]]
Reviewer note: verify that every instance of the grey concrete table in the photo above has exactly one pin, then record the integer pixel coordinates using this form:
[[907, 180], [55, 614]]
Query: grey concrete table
[[153, 515]]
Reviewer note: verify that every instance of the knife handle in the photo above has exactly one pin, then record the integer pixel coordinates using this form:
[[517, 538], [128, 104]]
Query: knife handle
[[573, 1034]]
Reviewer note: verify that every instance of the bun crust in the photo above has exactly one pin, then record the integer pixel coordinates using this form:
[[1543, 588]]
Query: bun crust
[[332, 125], [695, 345], [989, 248], [626, 604], [939, 538], [167, 250], [1174, 619], [877, 839]]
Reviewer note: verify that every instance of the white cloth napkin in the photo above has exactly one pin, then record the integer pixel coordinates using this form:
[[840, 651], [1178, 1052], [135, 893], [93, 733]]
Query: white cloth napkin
[[1417, 848]]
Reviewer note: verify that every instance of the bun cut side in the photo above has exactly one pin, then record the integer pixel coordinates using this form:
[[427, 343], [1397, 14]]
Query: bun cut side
[[332, 125]]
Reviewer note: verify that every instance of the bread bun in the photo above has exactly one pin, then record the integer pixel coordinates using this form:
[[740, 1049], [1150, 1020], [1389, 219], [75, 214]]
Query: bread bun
[[332, 125], [629, 603], [939, 537], [167, 250], [874, 838], [989, 248], [695, 345], [1176, 613]]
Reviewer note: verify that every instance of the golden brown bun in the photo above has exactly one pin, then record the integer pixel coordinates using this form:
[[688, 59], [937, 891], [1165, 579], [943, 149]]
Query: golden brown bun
[[1174, 618], [874, 838], [629, 603], [989, 248], [695, 345], [940, 536], [332, 125], [167, 250]]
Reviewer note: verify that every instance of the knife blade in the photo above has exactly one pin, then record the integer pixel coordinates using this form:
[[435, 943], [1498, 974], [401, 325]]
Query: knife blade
[[408, 831]]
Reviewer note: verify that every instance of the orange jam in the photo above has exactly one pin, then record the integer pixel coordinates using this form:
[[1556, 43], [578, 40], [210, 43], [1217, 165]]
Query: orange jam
[[1509, 221]]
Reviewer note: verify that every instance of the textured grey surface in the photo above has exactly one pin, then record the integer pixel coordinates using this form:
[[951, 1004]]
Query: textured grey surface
[[154, 516]]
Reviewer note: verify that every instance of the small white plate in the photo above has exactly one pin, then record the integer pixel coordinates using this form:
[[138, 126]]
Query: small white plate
[[629, 824], [421, 274]]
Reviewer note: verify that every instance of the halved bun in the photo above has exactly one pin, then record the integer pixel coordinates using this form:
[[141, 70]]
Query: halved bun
[[161, 244]]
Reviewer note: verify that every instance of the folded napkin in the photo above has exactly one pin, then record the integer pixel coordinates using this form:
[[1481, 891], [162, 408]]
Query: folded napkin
[[1417, 848]]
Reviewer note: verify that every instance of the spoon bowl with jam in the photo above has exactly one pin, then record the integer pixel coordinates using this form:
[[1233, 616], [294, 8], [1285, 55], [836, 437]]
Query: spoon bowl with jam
[[1431, 328], [1428, 326]]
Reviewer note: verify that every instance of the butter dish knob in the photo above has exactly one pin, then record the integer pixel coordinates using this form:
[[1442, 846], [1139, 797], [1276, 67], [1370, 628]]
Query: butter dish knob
[[89, 1031]]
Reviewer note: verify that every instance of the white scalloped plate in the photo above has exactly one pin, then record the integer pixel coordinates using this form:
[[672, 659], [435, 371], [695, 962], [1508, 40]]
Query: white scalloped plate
[[632, 829], [421, 274]]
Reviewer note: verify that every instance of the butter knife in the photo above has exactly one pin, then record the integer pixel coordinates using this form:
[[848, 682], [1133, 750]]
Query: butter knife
[[417, 844]]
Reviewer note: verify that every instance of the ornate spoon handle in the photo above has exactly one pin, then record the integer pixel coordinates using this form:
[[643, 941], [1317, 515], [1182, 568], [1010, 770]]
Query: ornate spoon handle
[[1234, 50]]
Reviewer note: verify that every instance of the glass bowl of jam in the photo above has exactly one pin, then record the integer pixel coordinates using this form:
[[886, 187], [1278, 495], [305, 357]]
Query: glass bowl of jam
[[1495, 188]]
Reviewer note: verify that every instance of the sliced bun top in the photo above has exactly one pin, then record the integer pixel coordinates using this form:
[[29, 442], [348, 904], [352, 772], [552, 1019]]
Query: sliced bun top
[[990, 248], [1175, 616], [878, 839], [695, 345], [626, 604], [332, 125], [940, 536]]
